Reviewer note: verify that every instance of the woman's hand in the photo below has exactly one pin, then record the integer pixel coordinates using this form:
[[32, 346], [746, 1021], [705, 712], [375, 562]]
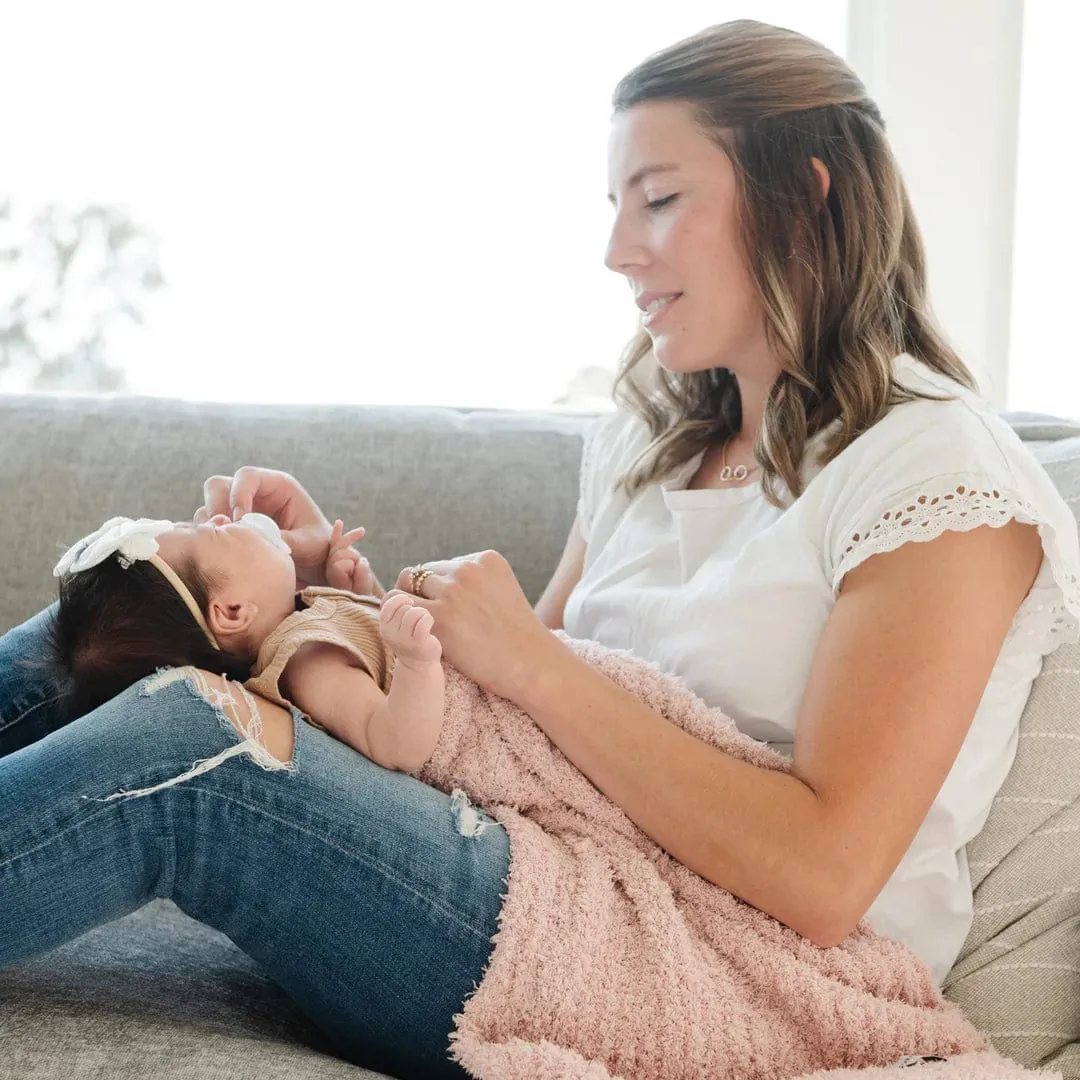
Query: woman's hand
[[484, 621], [280, 496]]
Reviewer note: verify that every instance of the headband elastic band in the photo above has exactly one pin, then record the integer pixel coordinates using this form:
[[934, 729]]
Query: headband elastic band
[[173, 579]]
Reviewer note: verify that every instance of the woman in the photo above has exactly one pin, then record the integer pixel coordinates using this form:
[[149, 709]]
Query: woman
[[765, 515]]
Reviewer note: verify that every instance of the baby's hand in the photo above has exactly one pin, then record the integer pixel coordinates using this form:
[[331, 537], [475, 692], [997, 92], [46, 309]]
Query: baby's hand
[[406, 628], [345, 568]]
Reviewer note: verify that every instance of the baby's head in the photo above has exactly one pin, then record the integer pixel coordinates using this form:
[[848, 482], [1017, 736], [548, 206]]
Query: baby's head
[[124, 615]]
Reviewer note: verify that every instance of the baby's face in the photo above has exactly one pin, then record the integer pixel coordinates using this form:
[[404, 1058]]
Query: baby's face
[[231, 546], [247, 557]]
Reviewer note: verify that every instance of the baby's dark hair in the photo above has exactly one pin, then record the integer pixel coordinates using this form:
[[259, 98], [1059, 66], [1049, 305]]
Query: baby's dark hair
[[115, 626]]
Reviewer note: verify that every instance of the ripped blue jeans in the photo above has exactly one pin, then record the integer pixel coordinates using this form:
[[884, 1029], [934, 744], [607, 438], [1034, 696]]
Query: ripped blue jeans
[[369, 897]]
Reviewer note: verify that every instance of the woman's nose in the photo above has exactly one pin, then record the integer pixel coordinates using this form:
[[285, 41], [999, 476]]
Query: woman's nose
[[623, 252]]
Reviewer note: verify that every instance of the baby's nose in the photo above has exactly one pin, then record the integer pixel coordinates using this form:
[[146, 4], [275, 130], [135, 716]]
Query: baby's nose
[[220, 519]]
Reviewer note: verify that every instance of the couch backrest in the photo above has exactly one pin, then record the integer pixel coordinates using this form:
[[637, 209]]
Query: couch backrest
[[426, 483], [1018, 975]]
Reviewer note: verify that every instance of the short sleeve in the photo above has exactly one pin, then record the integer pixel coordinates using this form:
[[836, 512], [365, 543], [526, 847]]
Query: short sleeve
[[602, 454], [962, 471], [334, 617]]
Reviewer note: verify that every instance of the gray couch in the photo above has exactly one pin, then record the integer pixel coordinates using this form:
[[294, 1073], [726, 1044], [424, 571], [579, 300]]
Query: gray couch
[[157, 995]]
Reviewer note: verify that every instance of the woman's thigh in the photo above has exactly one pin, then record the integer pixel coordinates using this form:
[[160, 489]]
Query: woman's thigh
[[32, 699], [356, 887]]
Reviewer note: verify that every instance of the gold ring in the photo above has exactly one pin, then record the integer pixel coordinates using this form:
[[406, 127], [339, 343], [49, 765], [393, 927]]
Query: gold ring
[[418, 575]]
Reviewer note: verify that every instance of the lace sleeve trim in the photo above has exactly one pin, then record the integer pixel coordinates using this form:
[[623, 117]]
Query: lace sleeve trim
[[1049, 614]]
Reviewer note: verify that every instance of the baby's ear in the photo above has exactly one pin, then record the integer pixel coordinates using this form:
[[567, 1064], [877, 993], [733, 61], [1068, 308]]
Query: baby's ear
[[226, 618]]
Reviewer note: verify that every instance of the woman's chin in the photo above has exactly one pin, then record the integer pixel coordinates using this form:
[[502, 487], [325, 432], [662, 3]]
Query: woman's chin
[[675, 360]]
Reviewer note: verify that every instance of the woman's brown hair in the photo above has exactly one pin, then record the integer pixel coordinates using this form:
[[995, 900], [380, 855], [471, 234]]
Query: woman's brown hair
[[842, 284]]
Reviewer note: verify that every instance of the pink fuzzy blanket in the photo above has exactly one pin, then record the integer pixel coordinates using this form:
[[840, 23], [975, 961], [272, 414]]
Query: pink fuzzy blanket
[[613, 961]]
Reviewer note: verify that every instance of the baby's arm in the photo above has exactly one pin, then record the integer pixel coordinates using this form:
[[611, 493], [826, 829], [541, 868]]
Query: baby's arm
[[398, 730]]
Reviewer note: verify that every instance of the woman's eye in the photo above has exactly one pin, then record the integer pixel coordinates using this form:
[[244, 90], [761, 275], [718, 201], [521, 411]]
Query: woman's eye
[[659, 204]]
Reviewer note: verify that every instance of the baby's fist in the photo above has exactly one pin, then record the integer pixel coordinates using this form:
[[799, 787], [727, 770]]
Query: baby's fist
[[406, 629]]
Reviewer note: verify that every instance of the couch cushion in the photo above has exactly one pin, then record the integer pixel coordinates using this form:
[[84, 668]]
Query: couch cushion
[[1018, 975]]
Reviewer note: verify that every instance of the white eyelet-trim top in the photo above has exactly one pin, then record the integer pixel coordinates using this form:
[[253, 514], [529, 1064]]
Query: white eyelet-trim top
[[732, 594]]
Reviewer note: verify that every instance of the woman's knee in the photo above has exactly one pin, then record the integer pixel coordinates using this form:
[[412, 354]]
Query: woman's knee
[[261, 722], [168, 719]]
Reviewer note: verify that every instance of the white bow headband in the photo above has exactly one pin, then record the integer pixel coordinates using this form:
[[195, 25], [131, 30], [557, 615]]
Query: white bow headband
[[133, 541]]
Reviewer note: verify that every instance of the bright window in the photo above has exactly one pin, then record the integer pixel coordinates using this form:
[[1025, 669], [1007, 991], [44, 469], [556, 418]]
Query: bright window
[[366, 203], [1044, 351]]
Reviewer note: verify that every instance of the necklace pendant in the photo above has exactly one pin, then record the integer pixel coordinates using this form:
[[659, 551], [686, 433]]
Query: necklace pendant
[[733, 472]]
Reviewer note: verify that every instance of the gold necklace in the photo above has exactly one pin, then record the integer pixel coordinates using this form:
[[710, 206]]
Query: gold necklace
[[732, 473]]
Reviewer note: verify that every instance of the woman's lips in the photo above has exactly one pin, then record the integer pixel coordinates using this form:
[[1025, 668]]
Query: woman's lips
[[658, 312]]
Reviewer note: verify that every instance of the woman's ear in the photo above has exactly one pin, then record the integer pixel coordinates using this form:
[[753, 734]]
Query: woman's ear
[[823, 176]]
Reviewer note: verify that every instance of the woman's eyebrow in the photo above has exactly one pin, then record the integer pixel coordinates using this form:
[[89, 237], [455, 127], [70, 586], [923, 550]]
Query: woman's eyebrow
[[641, 174]]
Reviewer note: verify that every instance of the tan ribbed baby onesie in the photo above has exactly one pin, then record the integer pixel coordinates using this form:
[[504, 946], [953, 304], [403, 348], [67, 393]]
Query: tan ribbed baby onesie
[[332, 615]]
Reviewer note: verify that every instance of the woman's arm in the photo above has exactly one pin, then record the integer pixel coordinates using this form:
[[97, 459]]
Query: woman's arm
[[898, 674], [398, 730], [552, 603]]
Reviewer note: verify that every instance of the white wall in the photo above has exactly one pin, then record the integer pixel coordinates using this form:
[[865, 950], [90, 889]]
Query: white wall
[[1044, 354], [946, 75]]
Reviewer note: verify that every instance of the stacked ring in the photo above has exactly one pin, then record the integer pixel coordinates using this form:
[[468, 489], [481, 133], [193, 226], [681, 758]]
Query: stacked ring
[[418, 574]]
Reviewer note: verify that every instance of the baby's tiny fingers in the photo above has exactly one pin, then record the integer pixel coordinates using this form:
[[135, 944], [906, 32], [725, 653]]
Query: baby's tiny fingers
[[392, 606]]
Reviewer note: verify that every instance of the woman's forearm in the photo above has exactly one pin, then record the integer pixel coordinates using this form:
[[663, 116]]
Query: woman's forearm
[[760, 834]]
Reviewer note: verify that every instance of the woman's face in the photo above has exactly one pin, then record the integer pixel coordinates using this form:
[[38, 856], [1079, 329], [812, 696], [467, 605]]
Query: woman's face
[[676, 238]]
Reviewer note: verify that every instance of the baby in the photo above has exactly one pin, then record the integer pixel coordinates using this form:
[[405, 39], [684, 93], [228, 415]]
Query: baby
[[140, 595]]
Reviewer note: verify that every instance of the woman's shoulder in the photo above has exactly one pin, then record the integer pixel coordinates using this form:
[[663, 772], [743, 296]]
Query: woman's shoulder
[[611, 441], [924, 439], [931, 466], [614, 434]]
